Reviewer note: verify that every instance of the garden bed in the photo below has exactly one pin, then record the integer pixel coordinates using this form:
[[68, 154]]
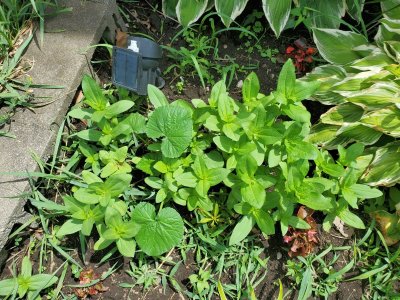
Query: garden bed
[[203, 264]]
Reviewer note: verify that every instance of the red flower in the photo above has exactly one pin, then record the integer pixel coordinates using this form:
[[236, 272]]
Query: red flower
[[289, 49], [311, 51]]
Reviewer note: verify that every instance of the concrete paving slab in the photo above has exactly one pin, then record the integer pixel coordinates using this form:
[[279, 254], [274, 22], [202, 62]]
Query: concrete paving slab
[[62, 60]]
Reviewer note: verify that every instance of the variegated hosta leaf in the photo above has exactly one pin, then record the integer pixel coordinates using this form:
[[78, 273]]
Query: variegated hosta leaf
[[377, 96], [373, 62], [354, 8], [343, 113], [327, 76], [330, 136], [389, 30], [327, 14], [277, 13], [169, 7], [384, 169], [321, 134], [386, 120], [336, 46], [391, 8], [189, 11], [359, 133], [229, 10], [392, 48], [329, 98]]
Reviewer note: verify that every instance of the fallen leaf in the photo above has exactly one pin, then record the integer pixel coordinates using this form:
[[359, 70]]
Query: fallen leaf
[[339, 224], [121, 38]]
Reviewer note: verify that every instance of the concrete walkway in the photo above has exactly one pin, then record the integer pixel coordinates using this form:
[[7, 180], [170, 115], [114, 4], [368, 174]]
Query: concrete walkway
[[59, 62]]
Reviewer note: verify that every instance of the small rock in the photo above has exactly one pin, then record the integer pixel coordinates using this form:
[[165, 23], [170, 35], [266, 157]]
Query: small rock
[[239, 84], [278, 255], [225, 46]]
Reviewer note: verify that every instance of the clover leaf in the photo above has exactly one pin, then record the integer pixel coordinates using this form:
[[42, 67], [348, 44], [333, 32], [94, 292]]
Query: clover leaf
[[158, 233], [174, 123]]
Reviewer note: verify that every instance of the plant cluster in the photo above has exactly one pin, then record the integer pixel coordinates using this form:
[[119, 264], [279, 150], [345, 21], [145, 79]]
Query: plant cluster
[[315, 274], [201, 56], [237, 164], [362, 82], [25, 285], [302, 54], [322, 14]]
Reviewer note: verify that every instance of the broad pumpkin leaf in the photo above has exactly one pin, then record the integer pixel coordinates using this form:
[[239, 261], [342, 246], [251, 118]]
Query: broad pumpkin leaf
[[336, 46], [277, 13], [175, 125], [229, 10], [158, 232]]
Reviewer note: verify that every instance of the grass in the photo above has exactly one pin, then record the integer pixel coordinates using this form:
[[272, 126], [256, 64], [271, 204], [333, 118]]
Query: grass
[[201, 57], [17, 24]]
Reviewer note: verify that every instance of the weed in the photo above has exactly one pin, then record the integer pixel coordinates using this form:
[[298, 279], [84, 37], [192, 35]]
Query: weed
[[315, 275]]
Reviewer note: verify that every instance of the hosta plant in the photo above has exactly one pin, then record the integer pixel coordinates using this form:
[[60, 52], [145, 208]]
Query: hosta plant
[[362, 82], [322, 14]]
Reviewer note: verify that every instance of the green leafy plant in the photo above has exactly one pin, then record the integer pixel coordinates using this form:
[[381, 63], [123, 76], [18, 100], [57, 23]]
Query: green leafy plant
[[25, 285], [315, 275], [96, 201], [362, 82], [200, 282], [200, 55], [378, 264], [240, 150], [250, 159]]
